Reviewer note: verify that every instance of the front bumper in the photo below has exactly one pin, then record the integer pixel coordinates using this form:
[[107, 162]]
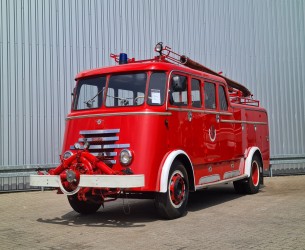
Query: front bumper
[[93, 181]]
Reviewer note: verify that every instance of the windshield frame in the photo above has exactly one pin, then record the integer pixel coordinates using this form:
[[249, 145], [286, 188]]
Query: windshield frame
[[127, 95], [148, 73], [91, 98]]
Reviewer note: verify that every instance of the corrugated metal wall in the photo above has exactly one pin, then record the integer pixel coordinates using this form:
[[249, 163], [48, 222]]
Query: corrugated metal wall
[[43, 44]]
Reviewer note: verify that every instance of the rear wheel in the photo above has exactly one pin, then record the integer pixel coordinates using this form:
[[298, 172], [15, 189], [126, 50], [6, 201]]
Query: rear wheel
[[172, 204], [252, 184], [84, 207]]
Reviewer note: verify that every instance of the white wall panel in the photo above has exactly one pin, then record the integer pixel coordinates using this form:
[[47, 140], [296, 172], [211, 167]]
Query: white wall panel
[[44, 43]]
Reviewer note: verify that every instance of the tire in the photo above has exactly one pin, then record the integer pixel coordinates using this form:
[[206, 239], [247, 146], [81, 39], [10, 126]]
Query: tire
[[83, 207], [250, 185], [172, 204], [239, 186]]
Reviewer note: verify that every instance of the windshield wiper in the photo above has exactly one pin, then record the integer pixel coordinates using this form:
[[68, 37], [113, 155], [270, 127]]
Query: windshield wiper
[[124, 101], [90, 102]]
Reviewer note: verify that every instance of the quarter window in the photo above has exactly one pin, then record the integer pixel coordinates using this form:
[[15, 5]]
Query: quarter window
[[156, 88], [222, 98], [196, 98], [178, 90], [209, 95]]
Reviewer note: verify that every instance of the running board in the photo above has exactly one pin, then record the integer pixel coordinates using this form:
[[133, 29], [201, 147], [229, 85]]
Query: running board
[[198, 187]]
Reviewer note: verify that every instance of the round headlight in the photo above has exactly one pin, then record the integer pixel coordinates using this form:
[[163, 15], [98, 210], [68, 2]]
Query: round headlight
[[125, 157], [159, 47], [77, 145], [67, 155]]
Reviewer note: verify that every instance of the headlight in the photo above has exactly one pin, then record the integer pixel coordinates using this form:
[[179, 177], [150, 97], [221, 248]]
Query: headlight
[[67, 155], [125, 157]]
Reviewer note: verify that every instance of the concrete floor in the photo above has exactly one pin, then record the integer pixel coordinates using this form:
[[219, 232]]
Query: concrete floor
[[217, 219]]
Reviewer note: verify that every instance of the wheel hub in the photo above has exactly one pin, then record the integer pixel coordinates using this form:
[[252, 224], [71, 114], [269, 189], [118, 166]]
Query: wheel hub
[[177, 189], [255, 173]]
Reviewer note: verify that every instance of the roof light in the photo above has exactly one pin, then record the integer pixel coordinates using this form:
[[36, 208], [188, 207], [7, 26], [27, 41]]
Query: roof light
[[123, 59], [159, 48]]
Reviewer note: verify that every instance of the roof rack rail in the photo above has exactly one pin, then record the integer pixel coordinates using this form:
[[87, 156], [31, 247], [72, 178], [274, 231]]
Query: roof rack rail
[[167, 53]]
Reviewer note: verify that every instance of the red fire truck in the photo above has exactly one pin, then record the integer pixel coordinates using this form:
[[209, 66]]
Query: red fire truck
[[158, 128]]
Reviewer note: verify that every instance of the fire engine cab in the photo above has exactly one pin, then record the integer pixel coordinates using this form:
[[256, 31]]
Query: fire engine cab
[[158, 128]]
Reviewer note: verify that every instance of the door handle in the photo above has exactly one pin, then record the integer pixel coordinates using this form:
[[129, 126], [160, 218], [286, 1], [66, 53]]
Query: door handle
[[217, 118], [189, 116]]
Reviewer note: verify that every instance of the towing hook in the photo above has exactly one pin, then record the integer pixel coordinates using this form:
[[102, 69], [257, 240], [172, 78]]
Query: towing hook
[[70, 176]]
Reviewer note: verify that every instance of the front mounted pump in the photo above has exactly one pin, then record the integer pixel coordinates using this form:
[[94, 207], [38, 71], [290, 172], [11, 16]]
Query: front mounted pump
[[85, 174]]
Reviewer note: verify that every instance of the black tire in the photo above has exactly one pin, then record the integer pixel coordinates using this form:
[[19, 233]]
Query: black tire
[[84, 207], [172, 204], [239, 186], [251, 185]]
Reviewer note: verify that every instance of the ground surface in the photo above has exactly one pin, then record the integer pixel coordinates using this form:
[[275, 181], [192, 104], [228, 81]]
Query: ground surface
[[217, 219]]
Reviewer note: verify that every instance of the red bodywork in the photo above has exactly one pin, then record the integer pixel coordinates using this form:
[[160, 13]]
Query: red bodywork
[[154, 132], [213, 143]]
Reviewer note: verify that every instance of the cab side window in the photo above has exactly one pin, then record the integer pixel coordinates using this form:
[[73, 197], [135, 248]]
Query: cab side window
[[156, 89], [178, 90], [196, 97], [209, 95], [222, 98]]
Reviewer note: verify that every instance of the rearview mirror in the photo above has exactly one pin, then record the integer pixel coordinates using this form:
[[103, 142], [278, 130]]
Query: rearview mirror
[[178, 83]]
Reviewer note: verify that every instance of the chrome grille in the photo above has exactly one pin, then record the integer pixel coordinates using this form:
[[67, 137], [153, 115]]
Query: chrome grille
[[102, 143]]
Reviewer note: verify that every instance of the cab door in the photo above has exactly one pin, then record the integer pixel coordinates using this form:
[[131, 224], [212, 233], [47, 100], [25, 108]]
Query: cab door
[[211, 151], [196, 121], [226, 135], [179, 128]]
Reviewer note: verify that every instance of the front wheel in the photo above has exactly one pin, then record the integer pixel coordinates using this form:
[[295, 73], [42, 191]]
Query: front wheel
[[172, 204], [84, 207], [252, 184]]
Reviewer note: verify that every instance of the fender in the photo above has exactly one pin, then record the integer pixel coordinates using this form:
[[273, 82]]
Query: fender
[[251, 152], [166, 168]]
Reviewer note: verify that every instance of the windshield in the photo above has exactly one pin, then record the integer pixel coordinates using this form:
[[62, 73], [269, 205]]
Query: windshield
[[89, 93], [122, 90], [126, 90]]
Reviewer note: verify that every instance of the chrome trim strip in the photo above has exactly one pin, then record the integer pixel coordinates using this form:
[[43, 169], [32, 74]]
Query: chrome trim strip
[[97, 132], [208, 179], [119, 114], [245, 122], [108, 146], [200, 111], [231, 174], [109, 161], [220, 182], [105, 154], [99, 139], [219, 113], [113, 146]]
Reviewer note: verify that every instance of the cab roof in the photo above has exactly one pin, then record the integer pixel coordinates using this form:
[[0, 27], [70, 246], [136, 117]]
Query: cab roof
[[145, 66]]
